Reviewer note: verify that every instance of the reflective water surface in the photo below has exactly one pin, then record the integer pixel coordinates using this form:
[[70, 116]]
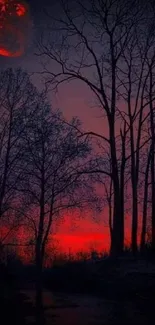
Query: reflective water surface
[[76, 309]]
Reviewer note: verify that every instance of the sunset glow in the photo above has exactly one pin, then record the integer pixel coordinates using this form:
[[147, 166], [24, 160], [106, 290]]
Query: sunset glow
[[10, 8], [14, 24], [77, 162], [84, 237], [20, 10]]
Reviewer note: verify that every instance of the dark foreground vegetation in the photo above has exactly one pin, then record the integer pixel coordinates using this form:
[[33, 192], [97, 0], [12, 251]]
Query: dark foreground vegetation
[[120, 278], [12, 303], [125, 281]]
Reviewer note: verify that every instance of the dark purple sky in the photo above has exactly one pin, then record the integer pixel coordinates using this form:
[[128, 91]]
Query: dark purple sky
[[73, 99]]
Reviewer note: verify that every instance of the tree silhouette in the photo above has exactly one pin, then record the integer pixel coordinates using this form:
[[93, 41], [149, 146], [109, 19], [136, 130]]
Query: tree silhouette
[[108, 45]]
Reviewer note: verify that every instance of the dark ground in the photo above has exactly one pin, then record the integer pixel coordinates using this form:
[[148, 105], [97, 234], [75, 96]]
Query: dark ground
[[121, 291]]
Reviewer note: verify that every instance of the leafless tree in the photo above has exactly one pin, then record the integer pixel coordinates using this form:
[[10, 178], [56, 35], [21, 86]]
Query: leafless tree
[[92, 38], [17, 103], [108, 45], [151, 66], [53, 178]]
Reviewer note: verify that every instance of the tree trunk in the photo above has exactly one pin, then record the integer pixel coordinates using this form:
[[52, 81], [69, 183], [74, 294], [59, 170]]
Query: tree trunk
[[134, 220], [152, 127], [122, 172], [144, 220], [40, 320], [116, 243], [110, 211], [39, 260], [134, 181], [153, 196], [122, 209]]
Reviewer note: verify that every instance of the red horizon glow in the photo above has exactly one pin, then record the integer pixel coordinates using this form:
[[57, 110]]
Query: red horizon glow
[[84, 236]]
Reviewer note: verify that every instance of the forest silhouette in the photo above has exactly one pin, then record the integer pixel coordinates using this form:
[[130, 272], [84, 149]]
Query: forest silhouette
[[51, 165]]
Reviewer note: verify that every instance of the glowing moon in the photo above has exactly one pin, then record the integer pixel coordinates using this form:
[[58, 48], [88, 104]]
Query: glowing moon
[[15, 25]]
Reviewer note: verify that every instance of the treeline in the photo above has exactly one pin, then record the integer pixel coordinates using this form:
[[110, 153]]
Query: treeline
[[47, 164], [108, 45]]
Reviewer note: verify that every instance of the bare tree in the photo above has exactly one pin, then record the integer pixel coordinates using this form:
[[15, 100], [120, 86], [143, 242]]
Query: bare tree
[[89, 47], [55, 157], [149, 105], [151, 66], [108, 46], [17, 103]]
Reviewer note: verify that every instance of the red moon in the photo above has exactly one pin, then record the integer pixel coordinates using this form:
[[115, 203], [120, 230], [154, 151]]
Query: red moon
[[15, 26]]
